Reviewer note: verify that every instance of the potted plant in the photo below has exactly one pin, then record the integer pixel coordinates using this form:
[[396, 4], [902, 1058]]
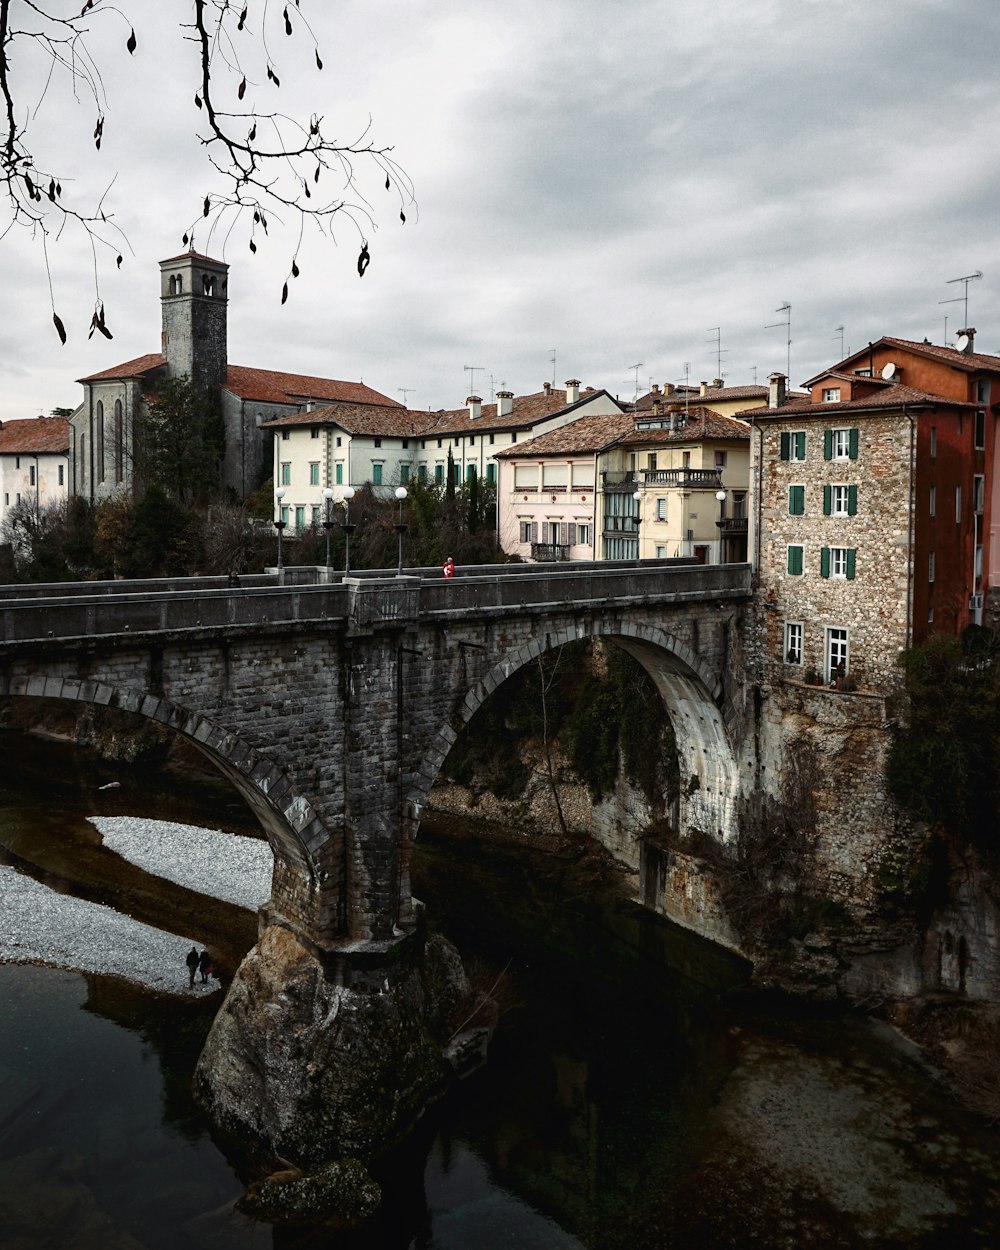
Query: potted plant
[[812, 677]]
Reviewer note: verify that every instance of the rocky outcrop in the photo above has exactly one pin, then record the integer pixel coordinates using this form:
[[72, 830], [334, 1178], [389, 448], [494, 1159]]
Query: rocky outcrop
[[301, 1067], [338, 1195]]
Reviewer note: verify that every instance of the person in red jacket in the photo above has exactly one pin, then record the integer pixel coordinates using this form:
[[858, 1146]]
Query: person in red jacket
[[449, 567]]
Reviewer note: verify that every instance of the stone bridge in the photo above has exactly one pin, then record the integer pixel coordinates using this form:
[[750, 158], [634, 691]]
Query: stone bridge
[[332, 706]]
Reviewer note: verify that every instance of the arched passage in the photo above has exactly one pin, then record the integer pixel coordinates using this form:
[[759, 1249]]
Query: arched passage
[[292, 827], [691, 692]]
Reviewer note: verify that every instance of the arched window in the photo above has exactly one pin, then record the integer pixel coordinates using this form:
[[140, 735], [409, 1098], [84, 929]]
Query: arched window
[[99, 443], [119, 443], [208, 283]]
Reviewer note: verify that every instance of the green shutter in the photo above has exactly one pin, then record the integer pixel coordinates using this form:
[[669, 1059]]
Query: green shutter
[[786, 440], [828, 444], [853, 444], [824, 562], [852, 501], [850, 564], [800, 445], [827, 500], [795, 561], [796, 500]]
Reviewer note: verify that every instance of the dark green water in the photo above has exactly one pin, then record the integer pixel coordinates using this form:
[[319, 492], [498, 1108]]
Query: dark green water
[[624, 1105]]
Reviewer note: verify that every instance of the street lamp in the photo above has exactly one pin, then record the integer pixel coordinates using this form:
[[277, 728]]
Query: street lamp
[[279, 523], [328, 521], [400, 527], [347, 527], [721, 496], [637, 496]]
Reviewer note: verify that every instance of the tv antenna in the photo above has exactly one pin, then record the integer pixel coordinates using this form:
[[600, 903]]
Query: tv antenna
[[404, 391], [840, 330], [552, 357], [474, 369], [635, 395], [963, 298], [785, 308], [719, 353]]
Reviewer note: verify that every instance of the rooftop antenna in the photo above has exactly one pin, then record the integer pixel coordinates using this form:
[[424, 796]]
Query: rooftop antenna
[[687, 386], [964, 298], [840, 330], [754, 367], [719, 353], [635, 395], [404, 391], [474, 369], [945, 340], [552, 357], [492, 390], [785, 308]]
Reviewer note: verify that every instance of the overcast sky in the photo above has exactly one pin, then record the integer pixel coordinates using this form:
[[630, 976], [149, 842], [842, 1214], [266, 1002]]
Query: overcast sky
[[614, 183]]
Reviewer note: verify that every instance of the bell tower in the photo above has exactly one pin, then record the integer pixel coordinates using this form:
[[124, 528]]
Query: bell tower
[[194, 292]]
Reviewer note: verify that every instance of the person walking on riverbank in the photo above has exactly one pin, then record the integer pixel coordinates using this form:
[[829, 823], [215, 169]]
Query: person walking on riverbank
[[205, 966], [192, 964]]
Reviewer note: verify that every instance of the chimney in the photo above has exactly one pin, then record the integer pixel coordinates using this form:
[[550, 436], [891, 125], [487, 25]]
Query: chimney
[[669, 388], [657, 406], [475, 407], [655, 388], [969, 333], [775, 390], [505, 403], [547, 388], [572, 390], [702, 388]]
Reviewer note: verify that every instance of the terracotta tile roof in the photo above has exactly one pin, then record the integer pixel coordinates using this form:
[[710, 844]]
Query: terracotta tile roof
[[359, 419], [193, 256], [526, 411], [40, 434], [694, 392], [853, 377], [702, 423], [130, 369], [894, 396], [585, 436], [967, 362], [269, 386]]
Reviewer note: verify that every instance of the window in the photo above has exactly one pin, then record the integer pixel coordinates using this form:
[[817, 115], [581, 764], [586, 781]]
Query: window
[[338, 440], [980, 430], [661, 509], [315, 516], [651, 461], [796, 500], [794, 561], [62, 475], [300, 518], [982, 390], [406, 444], [285, 436], [661, 553], [793, 445], [339, 473], [98, 442], [840, 444], [456, 472], [404, 474], [840, 500], [831, 394], [314, 473], [284, 514], [17, 462], [720, 459], [491, 472], [31, 475], [286, 473], [439, 473], [978, 492], [376, 475], [583, 533], [119, 443], [932, 501], [440, 444], [421, 473], [470, 472], [931, 560], [836, 651], [793, 642], [837, 562], [378, 442], [958, 504], [513, 436], [933, 442], [491, 439], [524, 531], [314, 433]]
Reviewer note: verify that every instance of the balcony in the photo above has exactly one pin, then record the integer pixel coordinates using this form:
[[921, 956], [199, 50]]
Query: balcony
[[732, 525], [546, 552], [625, 483], [686, 479]]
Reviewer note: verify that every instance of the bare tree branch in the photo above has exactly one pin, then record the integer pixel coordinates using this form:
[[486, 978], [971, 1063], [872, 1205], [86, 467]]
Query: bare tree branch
[[269, 166]]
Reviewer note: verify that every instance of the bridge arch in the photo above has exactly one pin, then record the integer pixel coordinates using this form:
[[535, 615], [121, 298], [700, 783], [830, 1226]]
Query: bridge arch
[[693, 696], [290, 823]]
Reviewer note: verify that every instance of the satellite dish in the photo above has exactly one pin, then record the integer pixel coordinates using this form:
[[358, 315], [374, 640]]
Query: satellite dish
[[888, 372], [962, 343]]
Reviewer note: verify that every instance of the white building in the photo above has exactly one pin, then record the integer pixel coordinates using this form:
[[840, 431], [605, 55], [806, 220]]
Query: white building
[[34, 459]]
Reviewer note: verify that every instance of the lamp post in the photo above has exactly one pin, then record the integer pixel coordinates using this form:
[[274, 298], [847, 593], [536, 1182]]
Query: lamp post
[[721, 497], [348, 528], [328, 521], [279, 524], [400, 527], [637, 496]]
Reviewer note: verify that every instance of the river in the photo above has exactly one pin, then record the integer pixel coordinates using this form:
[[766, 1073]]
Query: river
[[636, 1095]]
